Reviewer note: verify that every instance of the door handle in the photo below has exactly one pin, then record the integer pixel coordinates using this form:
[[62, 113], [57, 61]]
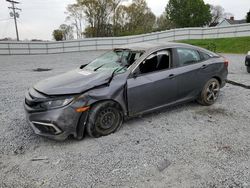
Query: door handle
[[204, 66], [171, 76]]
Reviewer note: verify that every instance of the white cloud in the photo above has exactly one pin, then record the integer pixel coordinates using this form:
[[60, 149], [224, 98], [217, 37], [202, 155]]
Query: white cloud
[[238, 8]]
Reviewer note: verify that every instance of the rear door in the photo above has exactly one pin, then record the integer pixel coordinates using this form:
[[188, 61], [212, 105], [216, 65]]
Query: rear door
[[189, 65], [152, 84]]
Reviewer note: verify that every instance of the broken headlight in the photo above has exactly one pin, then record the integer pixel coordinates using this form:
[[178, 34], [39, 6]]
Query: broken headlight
[[56, 103]]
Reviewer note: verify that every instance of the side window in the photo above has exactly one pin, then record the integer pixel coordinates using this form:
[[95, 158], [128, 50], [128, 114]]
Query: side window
[[134, 56], [188, 56], [163, 60], [149, 64], [156, 62]]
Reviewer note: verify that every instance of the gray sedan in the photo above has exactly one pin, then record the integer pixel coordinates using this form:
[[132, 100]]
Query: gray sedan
[[124, 82]]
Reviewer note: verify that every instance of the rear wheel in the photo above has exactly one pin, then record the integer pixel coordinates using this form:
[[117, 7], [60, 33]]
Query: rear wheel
[[104, 118], [248, 69], [209, 93]]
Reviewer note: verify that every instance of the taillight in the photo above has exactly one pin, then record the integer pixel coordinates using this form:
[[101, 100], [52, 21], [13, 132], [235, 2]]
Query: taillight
[[226, 62]]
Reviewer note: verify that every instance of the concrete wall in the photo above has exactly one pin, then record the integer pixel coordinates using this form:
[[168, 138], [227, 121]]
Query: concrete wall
[[16, 48]]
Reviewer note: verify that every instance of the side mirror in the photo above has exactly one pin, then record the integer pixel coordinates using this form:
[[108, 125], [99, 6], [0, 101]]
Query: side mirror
[[135, 74]]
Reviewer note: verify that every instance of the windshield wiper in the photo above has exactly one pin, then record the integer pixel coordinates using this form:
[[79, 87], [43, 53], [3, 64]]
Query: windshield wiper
[[98, 67], [82, 66]]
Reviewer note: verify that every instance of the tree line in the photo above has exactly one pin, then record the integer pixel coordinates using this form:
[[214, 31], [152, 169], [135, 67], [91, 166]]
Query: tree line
[[111, 18]]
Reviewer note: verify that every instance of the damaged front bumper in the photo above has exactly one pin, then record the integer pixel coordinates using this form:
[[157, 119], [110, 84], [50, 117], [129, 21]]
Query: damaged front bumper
[[55, 124]]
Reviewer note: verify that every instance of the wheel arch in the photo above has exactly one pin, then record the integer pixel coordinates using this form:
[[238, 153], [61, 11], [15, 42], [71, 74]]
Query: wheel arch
[[218, 78], [80, 129], [107, 100]]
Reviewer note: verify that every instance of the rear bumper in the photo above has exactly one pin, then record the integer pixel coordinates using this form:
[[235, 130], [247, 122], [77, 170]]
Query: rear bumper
[[56, 124]]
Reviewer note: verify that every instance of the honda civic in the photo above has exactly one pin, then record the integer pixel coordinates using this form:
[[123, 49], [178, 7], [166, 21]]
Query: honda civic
[[124, 82]]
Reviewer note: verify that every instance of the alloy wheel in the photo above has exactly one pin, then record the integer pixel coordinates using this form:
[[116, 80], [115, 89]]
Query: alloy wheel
[[212, 91]]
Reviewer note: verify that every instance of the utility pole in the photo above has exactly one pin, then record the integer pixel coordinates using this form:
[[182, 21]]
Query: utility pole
[[14, 14]]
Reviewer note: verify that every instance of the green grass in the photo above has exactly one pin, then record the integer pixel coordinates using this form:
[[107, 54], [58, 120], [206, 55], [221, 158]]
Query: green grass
[[238, 45]]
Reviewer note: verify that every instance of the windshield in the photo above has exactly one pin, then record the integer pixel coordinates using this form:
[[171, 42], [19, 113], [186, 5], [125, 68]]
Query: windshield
[[119, 60]]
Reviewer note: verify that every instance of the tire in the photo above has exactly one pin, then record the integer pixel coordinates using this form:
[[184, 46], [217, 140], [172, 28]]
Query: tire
[[104, 118], [248, 69], [209, 93]]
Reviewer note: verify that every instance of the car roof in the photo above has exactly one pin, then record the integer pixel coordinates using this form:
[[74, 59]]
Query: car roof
[[153, 46], [145, 46]]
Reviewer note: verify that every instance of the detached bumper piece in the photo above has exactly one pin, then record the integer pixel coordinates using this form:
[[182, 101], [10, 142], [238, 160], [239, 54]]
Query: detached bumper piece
[[33, 100]]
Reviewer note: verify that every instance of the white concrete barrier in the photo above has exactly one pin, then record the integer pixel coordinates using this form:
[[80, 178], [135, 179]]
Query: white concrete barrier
[[16, 48]]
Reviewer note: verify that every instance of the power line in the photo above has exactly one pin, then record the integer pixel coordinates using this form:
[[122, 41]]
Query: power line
[[7, 19], [14, 14]]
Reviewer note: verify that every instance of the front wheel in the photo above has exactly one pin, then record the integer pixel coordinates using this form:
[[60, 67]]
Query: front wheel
[[104, 118], [248, 69], [209, 93]]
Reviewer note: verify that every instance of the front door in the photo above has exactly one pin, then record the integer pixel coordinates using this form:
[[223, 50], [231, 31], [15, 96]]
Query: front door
[[154, 84]]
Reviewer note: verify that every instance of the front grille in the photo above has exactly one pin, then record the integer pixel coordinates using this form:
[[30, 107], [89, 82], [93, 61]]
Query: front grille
[[47, 128]]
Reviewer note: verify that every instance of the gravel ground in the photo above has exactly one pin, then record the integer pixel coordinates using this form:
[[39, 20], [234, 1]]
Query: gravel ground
[[184, 146], [237, 68]]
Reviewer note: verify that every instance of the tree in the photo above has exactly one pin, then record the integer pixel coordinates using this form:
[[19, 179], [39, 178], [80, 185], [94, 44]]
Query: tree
[[188, 13], [137, 18], [248, 17], [115, 7], [217, 12], [162, 23], [67, 31], [75, 14], [106, 18], [58, 35], [98, 14]]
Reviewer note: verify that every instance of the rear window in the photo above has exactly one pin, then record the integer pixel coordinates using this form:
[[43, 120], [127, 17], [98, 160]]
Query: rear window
[[188, 56], [204, 56]]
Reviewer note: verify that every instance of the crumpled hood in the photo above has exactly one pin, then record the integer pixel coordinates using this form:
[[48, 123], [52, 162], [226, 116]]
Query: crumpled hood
[[73, 82]]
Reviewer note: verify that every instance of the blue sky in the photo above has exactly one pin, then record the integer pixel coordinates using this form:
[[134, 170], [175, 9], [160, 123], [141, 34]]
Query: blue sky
[[40, 17]]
